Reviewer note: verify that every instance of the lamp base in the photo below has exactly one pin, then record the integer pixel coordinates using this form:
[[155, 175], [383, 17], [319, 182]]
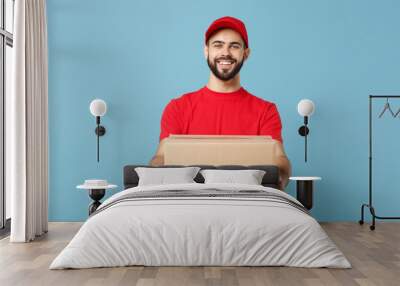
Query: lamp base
[[303, 130], [100, 130]]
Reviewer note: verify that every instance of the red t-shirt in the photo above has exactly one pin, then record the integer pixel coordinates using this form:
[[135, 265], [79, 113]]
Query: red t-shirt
[[206, 112]]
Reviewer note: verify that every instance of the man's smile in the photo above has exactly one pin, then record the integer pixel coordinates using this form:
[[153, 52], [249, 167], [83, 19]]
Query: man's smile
[[226, 64]]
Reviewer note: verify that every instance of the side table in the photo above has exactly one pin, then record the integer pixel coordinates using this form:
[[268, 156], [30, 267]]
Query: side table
[[304, 190], [97, 190]]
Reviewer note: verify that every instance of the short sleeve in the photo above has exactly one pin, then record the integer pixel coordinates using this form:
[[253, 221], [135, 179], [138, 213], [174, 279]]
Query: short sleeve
[[271, 123], [171, 121]]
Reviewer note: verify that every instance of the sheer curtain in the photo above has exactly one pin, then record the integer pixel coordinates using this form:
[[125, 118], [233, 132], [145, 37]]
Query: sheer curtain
[[27, 124]]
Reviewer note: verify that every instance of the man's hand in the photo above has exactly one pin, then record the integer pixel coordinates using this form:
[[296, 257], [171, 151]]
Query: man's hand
[[284, 174], [158, 159], [285, 169]]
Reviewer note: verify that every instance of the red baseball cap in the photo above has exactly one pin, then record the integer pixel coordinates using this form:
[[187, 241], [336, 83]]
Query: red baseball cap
[[228, 23]]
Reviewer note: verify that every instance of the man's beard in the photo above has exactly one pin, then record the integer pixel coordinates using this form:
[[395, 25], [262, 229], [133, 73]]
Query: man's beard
[[225, 76]]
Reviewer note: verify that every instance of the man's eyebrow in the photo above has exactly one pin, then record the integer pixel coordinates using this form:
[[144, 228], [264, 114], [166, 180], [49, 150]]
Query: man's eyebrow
[[236, 43], [218, 42], [222, 42]]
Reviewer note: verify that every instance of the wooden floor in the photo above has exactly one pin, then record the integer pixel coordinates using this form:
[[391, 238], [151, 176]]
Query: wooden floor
[[374, 255]]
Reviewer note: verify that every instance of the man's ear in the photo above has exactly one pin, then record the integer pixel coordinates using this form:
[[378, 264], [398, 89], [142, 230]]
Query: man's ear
[[206, 51], [247, 53]]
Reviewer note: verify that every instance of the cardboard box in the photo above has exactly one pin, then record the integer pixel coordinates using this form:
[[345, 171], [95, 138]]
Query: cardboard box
[[222, 150]]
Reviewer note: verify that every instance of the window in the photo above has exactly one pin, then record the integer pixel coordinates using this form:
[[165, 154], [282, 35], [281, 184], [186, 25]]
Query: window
[[6, 61]]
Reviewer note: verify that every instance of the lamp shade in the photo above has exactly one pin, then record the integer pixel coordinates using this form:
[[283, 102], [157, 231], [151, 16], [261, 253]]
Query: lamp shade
[[98, 107], [305, 107]]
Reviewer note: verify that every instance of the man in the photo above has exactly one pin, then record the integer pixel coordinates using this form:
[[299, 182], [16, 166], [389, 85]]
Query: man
[[223, 107]]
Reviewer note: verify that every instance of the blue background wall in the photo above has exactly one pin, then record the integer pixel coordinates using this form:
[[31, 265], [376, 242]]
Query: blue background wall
[[137, 55]]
